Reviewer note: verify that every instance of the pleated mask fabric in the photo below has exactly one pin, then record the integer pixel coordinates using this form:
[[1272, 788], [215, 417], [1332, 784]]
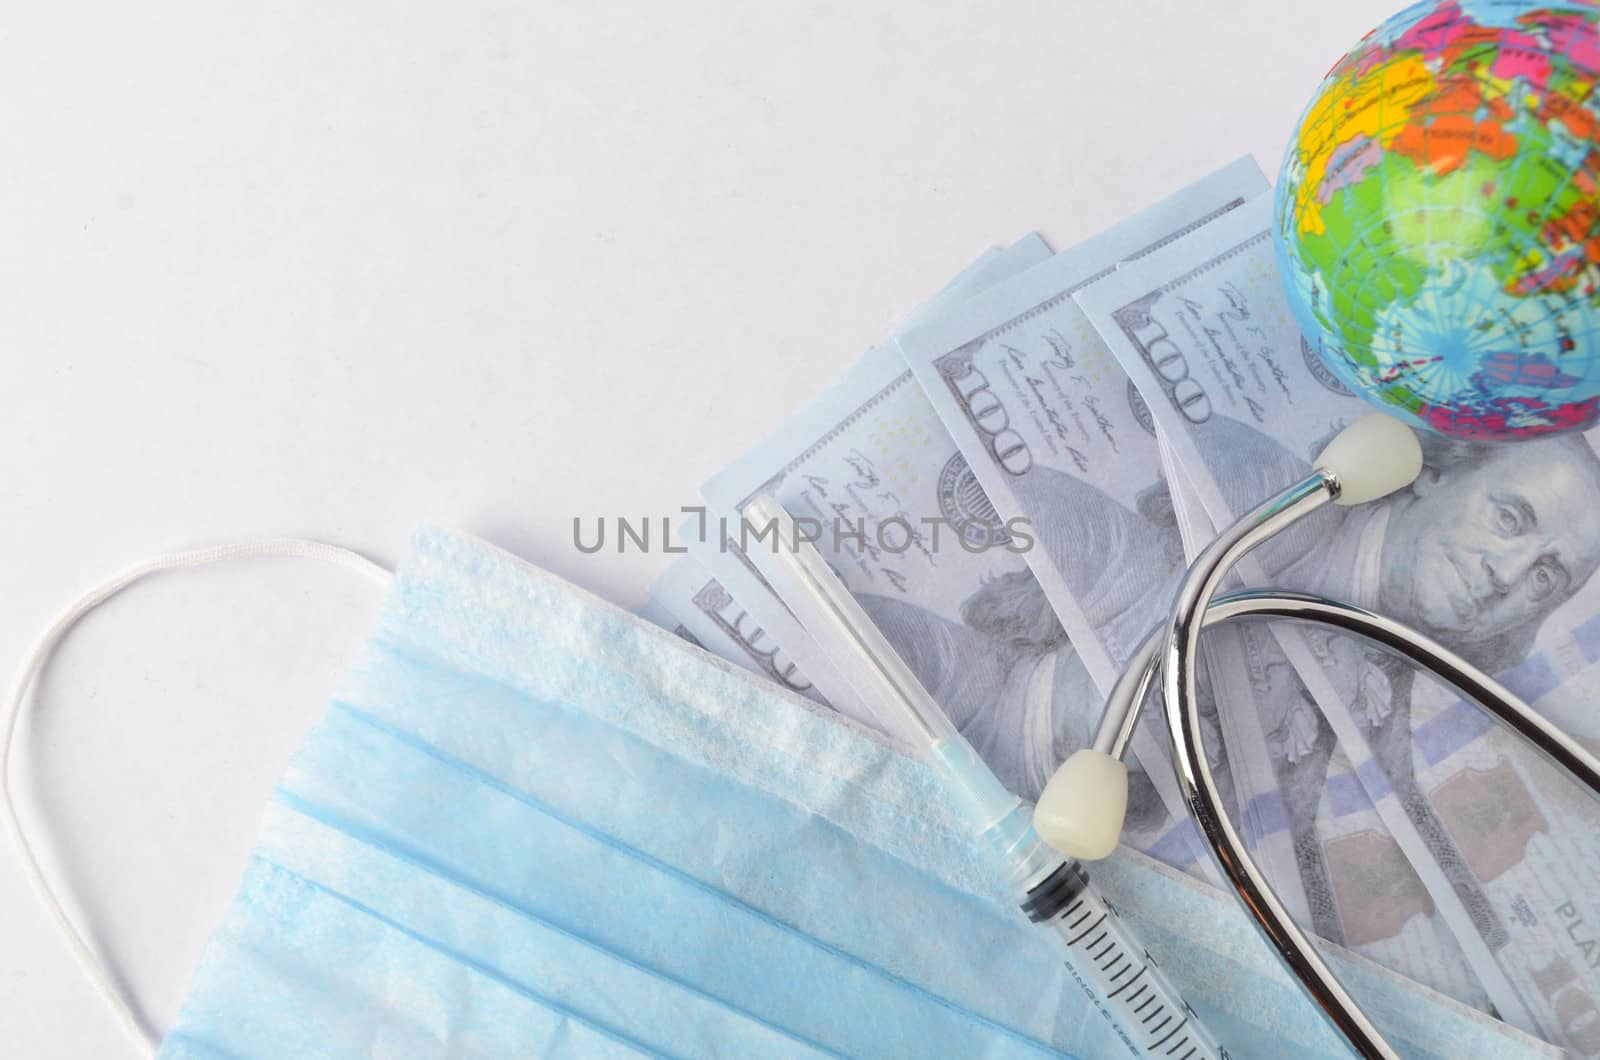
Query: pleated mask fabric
[[533, 825]]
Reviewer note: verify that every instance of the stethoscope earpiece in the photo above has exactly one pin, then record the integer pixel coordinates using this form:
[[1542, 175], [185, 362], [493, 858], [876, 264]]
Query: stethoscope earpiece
[[1371, 458], [1080, 812]]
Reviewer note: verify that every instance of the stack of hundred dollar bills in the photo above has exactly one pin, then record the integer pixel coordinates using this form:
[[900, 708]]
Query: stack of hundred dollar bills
[[1011, 485]]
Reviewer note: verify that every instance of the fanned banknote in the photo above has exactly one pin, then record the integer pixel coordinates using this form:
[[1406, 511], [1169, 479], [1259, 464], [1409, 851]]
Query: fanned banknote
[[738, 591], [1055, 434], [1043, 415], [911, 534], [737, 586], [1492, 552], [688, 601], [874, 429]]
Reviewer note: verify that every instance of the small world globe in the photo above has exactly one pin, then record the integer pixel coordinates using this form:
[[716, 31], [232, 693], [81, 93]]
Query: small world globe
[[1438, 220]]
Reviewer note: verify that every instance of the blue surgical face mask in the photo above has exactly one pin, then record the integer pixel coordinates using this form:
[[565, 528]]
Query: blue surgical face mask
[[532, 825]]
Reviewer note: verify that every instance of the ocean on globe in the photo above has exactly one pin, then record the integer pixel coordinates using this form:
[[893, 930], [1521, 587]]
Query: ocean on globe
[[1438, 222]]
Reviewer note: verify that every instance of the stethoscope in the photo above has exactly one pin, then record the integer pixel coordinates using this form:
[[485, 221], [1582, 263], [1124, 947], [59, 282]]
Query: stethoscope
[[1082, 808]]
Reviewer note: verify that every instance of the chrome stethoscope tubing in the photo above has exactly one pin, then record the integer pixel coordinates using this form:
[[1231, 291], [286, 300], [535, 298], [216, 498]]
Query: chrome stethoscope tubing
[[1172, 650]]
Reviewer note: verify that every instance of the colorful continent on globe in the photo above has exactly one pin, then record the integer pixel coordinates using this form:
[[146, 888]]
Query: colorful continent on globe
[[1438, 217]]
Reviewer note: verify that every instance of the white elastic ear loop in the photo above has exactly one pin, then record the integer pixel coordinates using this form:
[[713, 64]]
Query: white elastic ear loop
[[108, 989]]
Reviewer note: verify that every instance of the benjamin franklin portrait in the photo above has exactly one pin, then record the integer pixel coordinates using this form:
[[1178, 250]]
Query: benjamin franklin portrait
[[1477, 553]]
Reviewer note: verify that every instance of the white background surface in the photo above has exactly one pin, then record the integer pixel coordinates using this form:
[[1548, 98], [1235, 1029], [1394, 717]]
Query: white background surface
[[267, 268]]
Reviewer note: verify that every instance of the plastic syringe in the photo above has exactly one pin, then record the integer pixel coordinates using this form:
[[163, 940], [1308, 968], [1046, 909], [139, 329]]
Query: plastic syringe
[[1118, 975]]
